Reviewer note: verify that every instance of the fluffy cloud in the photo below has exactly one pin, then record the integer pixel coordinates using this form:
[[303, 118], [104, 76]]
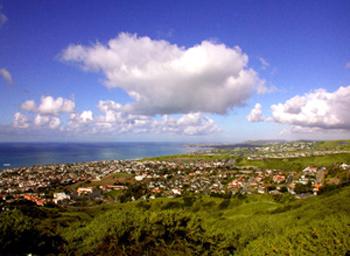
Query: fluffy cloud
[[86, 116], [53, 122], [77, 121], [164, 78], [49, 105], [302, 130], [317, 109], [20, 121], [6, 75], [29, 105], [112, 119], [45, 114], [255, 114], [23, 121], [195, 124]]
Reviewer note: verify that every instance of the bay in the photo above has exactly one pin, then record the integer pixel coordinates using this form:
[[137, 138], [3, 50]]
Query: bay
[[28, 154]]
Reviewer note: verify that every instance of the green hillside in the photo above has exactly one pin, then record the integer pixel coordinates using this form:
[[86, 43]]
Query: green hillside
[[292, 164], [190, 225]]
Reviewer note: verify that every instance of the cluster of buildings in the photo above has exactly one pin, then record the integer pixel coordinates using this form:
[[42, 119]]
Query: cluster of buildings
[[290, 150], [70, 182], [45, 177]]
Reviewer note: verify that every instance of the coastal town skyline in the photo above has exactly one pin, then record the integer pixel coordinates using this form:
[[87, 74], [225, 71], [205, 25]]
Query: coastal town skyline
[[225, 72]]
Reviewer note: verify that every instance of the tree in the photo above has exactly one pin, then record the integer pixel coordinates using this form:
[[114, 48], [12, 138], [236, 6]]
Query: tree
[[301, 188], [16, 232]]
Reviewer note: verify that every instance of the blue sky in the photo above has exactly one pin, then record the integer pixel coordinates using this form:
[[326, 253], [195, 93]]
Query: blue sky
[[293, 47]]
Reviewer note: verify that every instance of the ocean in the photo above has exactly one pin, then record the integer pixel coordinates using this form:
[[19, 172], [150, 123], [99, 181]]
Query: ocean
[[29, 154]]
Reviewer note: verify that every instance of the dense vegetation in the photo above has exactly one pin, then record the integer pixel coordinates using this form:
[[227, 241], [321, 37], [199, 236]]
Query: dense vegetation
[[189, 225]]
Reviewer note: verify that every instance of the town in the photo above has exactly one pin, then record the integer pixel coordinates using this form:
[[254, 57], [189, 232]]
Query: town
[[105, 181]]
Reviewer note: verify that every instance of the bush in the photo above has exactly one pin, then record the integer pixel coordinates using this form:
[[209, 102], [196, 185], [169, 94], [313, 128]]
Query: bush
[[19, 235], [224, 204], [301, 188], [131, 232], [188, 200]]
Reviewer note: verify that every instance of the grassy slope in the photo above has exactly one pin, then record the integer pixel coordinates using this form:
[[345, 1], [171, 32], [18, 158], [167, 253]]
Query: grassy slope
[[256, 225]]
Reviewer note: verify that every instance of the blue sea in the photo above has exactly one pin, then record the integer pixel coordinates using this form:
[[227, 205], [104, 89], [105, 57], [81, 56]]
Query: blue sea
[[28, 154]]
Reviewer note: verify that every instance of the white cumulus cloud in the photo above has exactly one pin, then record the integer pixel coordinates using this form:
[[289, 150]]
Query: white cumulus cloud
[[45, 114], [6, 75], [29, 105], [20, 121], [165, 78], [301, 130], [256, 114], [52, 122], [317, 109], [196, 124], [113, 118], [77, 120], [50, 105], [86, 116]]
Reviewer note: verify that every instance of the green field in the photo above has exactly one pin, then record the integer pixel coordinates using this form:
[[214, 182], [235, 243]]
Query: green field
[[287, 164], [333, 145], [295, 164]]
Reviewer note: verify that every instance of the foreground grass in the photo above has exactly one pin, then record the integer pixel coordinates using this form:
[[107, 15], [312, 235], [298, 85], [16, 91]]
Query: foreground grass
[[256, 225], [190, 225]]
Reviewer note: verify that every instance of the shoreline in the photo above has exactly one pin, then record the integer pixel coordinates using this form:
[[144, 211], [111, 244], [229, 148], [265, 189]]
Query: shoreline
[[26, 155]]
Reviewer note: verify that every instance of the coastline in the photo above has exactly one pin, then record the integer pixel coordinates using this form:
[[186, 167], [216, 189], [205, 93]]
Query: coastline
[[20, 155]]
